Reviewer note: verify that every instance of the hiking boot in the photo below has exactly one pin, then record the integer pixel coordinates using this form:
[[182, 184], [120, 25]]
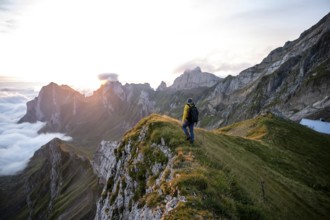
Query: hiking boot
[[188, 138]]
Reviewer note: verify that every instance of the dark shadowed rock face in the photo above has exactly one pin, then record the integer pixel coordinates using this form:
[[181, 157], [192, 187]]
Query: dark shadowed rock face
[[31, 115]]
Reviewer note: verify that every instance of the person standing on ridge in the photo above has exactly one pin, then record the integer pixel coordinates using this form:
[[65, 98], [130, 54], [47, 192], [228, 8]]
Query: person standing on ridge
[[189, 118]]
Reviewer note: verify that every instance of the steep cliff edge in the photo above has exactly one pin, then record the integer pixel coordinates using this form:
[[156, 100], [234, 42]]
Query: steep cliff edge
[[58, 183], [153, 173]]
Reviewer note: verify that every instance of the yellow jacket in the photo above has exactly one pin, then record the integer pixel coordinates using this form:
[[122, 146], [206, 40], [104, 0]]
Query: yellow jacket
[[185, 113]]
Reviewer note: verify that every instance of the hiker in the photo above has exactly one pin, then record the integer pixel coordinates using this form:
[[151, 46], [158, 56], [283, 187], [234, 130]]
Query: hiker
[[189, 118]]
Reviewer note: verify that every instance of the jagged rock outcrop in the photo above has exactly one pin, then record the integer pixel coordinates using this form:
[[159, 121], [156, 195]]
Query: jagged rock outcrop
[[194, 78], [162, 86], [126, 100], [293, 79], [131, 175]]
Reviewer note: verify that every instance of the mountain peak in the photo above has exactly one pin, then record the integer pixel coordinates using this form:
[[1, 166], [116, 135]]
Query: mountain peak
[[194, 78], [162, 86], [195, 70]]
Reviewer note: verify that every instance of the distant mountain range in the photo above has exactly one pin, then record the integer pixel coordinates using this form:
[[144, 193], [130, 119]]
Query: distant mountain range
[[292, 81], [126, 162]]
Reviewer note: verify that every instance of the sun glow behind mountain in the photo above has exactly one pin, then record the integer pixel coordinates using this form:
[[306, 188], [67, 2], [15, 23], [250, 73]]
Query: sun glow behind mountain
[[72, 41]]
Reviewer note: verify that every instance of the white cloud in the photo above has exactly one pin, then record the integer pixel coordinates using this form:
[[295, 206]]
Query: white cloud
[[219, 68], [108, 76], [18, 142]]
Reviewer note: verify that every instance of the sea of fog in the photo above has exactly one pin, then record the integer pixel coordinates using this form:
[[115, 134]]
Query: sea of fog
[[18, 142]]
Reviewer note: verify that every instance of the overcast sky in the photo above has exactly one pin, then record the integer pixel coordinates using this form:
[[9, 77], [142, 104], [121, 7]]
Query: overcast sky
[[73, 41]]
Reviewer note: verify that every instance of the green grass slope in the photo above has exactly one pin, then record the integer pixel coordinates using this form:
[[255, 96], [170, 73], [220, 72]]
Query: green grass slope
[[291, 162], [58, 183], [265, 168]]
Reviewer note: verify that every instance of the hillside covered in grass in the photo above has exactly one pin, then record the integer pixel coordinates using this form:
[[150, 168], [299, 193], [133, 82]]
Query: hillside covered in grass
[[58, 183], [264, 168]]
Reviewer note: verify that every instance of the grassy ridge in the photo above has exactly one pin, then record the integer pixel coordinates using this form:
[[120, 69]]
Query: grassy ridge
[[75, 184], [296, 151], [265, 168], [286, 160]]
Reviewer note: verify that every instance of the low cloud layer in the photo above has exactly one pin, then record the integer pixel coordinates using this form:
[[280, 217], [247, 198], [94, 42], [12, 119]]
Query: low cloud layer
[[113, 77], [211, 67], [18, 142]]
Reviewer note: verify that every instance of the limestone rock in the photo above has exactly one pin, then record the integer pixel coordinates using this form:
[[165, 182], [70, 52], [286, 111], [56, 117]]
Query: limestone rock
[[194, 78], [162, 86]]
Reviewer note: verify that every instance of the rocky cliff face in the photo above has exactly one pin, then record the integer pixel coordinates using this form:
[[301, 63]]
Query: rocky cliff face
[[133, 177], [125, 182], [194, 78], [292, 81], [54, 105]]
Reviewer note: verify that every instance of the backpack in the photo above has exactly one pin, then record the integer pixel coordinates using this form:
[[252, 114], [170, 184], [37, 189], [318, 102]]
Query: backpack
[[193, 114]]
